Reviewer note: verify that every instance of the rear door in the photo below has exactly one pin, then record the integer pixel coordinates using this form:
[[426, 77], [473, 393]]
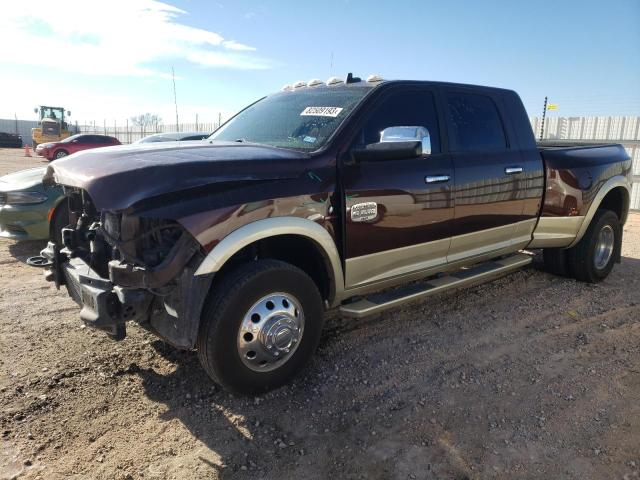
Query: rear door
[[398, 212], [82, 143], [489, 174]]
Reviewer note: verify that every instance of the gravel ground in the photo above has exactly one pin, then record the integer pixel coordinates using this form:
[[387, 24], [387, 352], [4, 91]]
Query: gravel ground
[[529, 376]]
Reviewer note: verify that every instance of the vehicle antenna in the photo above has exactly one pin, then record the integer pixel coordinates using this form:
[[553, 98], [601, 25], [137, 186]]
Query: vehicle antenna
[[544, 112], [175, 99]]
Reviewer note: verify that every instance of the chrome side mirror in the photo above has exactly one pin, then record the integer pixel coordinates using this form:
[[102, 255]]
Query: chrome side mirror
[[408, 134]]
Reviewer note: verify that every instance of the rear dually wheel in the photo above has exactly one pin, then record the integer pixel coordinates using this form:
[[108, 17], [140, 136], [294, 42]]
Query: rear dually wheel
[[592, 259]]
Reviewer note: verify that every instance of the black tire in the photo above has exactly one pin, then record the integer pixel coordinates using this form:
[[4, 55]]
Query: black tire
[[60, 154], [582, 257], [225, 310], [59, 220], [556, 261]]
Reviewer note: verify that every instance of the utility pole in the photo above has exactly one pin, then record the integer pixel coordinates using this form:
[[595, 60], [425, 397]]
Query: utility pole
[[219, 119], [196, 122], [544, 114], [331, 64], [175, 99]]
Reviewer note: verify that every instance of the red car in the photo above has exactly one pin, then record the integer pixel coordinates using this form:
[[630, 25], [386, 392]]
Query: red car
[[73, 144]]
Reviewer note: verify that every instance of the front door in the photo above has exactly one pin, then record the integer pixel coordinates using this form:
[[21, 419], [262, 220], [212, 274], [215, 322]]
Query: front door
[[398, 212]]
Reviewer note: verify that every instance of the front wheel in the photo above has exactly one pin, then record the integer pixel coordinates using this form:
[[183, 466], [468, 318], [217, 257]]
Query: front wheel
[[260, 326], [60, 154], [59, 220], [592, 259]]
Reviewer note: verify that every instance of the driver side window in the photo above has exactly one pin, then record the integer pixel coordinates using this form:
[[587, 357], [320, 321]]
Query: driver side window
[[406, 108]]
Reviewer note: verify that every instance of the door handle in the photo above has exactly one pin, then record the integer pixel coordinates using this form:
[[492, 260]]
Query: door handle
[[436, 178], [512, 170]]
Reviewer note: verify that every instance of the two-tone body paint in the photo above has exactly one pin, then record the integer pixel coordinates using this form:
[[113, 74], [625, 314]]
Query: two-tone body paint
[[216, 189], [479, 208]]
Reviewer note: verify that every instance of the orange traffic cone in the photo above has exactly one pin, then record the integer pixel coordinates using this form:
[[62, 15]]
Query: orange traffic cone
[[27, 151]]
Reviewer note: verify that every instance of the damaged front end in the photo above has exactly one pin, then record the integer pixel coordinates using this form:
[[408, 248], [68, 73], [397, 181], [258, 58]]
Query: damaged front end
[[120, 267]]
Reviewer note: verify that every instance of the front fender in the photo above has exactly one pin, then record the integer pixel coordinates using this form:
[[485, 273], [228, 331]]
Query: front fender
[[271, 227]]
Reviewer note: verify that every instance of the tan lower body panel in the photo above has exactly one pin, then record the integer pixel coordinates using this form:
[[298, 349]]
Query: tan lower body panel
[[475, 244], [383, 269], [555, 232], [392, 263]]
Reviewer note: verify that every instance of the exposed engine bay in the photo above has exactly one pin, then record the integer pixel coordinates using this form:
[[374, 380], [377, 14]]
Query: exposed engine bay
[[120, 267]]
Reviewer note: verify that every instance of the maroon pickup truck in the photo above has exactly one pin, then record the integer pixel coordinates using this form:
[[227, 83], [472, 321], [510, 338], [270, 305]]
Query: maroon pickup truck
[[326, 195]]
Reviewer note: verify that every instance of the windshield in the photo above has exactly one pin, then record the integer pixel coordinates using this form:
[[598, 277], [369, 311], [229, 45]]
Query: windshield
[[301, 120], [51, 113], [160, 137], [71, 138]]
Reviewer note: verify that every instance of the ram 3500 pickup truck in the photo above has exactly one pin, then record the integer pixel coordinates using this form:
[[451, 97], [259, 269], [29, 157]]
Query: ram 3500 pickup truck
[[357, 195]]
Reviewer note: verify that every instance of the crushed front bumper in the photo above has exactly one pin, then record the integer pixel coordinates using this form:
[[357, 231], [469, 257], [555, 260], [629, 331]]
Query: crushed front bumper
[[104, 305]]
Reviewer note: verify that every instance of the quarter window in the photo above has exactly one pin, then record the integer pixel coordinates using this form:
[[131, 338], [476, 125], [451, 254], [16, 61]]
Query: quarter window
[[475, 123]]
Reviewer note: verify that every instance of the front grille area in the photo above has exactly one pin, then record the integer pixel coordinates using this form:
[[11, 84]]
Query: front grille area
[[3, 198]]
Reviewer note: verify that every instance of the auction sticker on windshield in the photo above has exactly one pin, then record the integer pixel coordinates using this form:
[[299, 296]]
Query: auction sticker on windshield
[[322, 111]]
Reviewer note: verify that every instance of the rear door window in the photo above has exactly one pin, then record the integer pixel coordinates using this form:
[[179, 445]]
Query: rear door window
[[475, 123]]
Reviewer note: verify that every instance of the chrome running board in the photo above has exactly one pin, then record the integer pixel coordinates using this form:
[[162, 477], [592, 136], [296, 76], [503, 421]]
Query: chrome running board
[[380, 302]]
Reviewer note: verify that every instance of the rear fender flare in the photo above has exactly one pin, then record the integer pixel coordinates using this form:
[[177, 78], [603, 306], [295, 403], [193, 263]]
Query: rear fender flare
[[614, 182]]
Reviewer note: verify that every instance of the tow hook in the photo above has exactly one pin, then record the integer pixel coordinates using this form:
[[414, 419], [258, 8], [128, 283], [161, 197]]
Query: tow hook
[[51, 258]]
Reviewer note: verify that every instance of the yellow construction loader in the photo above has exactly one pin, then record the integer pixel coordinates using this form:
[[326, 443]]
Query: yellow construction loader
[[52, 125]]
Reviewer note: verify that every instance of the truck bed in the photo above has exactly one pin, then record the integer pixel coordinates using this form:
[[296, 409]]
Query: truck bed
[[570, 154]]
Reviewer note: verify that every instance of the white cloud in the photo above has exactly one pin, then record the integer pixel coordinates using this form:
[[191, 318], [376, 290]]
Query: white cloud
[[88, 104], [233, 45], [120, 37]]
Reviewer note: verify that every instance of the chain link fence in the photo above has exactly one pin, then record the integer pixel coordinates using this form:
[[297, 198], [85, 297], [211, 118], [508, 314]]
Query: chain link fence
[[129, 133]]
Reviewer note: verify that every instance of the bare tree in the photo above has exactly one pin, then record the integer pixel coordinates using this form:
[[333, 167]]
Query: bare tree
[[146, 120]]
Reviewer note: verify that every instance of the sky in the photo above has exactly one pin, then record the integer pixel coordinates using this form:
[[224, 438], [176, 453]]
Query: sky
[[108, 61]]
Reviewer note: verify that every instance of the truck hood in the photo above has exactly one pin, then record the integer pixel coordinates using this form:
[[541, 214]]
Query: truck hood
[[117, 177], [22, 179]]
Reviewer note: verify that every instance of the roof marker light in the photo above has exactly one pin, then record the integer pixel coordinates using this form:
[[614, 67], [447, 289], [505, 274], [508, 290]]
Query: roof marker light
[[374, 78], [299, 84], [314, 82], [287, 88], [334, 81]]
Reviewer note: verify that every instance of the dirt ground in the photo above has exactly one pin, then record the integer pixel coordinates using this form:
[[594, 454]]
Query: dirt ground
[[530, 376]]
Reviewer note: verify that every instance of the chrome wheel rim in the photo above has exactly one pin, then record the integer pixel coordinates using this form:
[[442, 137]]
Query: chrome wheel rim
[[60, 154], [604, 247], [270, 332]]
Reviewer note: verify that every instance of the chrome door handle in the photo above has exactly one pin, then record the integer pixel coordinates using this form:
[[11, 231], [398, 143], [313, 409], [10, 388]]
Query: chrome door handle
[[437, 178], [512, 170]]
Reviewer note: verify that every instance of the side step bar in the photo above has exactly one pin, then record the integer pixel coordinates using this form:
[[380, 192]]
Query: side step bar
[[379, 302]]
